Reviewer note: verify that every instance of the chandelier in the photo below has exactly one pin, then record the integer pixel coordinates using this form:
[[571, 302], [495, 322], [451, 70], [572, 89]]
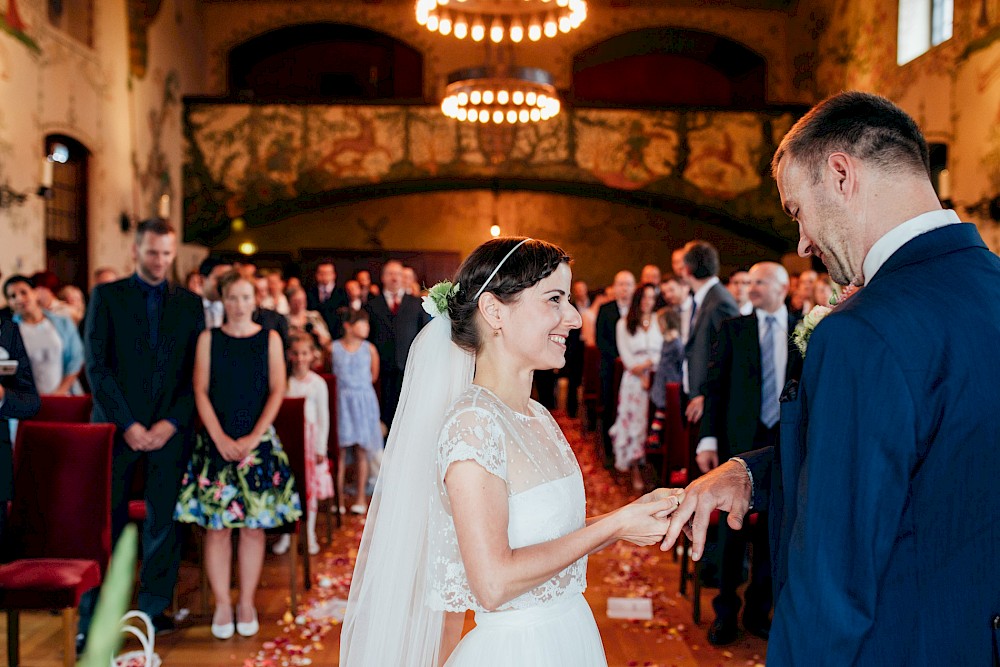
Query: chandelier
[[501, 19], [511, 95]]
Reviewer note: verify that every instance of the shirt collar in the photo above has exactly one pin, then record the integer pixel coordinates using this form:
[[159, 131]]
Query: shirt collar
[[780, 316], [699, 296], [146, 288], [899, 236]]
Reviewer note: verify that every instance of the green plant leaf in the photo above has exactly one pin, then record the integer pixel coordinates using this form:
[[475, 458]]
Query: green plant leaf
[[105, 636]]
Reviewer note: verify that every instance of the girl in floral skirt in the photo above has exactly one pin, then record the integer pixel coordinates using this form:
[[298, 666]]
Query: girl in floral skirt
[[238, 475], [303, 382]]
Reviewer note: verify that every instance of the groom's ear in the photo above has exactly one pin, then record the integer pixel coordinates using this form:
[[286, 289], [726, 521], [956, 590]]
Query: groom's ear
[[842, 174]]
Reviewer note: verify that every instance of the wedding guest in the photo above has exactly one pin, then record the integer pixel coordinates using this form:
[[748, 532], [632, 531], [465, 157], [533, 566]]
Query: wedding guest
[[356, 365], [882, 489], [739, 287], [411, 285], [650, 275], [140, 341], [72, 296], [274, 297], [607, 325], [213, 268], [304, 383], [52, 341], [573, 370], [368, 289], [326, 298], [18, 400], [46, 285], [686, 307], [823, 291], [354, 294], [480, 504], [752, 361], [104, 274], [305, 321], [193, 281], [639, 341], [238, 475], [395, 320], [668, 370]]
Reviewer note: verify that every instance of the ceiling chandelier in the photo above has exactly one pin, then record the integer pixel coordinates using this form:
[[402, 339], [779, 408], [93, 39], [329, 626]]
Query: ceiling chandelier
[[511, 95], [501, 19]]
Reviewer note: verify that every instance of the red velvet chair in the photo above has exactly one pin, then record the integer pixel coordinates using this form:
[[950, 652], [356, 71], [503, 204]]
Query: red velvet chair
[[333, 445], [58, 539], [66, 409], [290, 424]]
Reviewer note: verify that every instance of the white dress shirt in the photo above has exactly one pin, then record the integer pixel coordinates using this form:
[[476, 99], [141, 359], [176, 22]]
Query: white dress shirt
[[780, 338], [215, 314], [746, 308], [899, 236]]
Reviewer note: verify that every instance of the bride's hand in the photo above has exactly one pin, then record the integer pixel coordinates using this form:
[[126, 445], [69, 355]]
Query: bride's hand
[[662, 494], [645, 523]]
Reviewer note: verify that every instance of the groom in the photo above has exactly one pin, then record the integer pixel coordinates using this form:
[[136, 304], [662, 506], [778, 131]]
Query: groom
[[883, 490]]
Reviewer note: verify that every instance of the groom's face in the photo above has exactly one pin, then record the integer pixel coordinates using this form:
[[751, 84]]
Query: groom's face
[[824, 223]]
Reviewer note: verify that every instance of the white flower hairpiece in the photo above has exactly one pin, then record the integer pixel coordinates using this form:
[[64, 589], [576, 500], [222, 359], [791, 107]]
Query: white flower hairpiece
[[436, 302]]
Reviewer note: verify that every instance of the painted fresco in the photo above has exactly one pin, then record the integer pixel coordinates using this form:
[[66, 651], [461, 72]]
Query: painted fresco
[[241, 158]]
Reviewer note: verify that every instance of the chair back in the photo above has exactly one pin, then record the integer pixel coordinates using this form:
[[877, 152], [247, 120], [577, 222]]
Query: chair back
[[290, 425], [333, 441], [72, 409], [675, 432], [61, 506]]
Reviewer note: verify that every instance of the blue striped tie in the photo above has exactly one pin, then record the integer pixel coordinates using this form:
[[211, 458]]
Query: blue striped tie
[[770, 411]]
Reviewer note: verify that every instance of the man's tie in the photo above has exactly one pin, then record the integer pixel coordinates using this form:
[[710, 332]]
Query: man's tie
[[395, 304], [694, 309], [324, 293], [770, 411]]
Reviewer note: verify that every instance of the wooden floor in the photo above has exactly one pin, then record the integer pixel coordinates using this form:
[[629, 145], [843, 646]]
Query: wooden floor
[[670, 639]]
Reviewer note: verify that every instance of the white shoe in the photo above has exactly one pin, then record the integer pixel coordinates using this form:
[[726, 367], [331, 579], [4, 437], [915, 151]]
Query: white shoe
[[281, 547], [358, 508], [223, 631], [313, 547], [249, 629]]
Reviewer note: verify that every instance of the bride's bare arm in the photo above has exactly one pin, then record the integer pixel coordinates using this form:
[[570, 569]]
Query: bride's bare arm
[[496, 572]]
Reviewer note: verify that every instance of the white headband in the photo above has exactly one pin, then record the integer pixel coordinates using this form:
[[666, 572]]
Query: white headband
[[493, 275]]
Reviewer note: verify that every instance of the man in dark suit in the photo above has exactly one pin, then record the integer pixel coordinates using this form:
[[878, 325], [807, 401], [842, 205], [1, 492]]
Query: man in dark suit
[[753, 359], [883, 487], [395, 318], [326, 298], [18, 400], [712, 304], [607, 321], [140, 344]]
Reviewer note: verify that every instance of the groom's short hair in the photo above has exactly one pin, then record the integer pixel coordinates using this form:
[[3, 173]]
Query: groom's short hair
[[863, 125]]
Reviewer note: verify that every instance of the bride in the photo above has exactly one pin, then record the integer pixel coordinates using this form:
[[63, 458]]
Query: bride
[[480, 502]]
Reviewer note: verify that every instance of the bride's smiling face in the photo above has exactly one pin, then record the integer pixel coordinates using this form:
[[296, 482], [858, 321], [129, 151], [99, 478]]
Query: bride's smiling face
[[537, 324]]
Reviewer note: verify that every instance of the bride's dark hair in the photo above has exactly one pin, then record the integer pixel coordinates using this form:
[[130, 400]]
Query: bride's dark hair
[[532, 262]]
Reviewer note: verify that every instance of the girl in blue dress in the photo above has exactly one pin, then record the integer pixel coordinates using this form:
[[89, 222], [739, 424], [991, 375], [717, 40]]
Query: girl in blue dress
[[238, 475], [356, 365]]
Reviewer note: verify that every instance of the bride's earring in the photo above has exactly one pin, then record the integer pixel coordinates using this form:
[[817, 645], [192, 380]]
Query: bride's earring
[[496, 333]]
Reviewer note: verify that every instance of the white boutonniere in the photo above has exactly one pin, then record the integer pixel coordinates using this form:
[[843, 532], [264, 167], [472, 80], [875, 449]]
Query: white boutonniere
[[436, 301]]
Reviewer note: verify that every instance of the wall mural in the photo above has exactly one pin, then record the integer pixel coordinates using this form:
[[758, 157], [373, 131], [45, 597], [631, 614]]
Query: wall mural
[[12, 23], [264, 163]]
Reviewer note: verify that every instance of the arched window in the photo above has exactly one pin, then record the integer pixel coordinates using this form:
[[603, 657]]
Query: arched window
[[324, 62], [669, 67]]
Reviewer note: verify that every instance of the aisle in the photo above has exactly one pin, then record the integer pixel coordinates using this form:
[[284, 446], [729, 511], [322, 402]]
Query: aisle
[[670, 639]]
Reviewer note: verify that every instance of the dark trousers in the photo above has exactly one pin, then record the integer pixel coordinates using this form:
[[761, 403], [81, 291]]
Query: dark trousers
[[609, 407], [160, 544], [391, 380], [733, 545]]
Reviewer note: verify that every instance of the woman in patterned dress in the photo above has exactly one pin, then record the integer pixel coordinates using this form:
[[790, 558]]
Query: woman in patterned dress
[[238, 476]]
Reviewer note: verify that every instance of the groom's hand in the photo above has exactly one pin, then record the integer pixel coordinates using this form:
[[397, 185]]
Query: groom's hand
[[726, 488]]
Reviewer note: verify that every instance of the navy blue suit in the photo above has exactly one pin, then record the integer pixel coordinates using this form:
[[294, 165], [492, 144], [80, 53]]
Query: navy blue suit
[[884, 488]]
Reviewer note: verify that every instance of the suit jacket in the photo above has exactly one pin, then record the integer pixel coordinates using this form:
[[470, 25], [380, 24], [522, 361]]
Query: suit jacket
[[272, 320], [392, 334], [328, 309], [20, 400], [718, 305], [885, 478], [131, 381], [732, 401], [607, 321]]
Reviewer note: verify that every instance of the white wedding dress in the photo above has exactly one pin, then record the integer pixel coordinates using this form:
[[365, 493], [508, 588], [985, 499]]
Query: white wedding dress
[[551, 624]]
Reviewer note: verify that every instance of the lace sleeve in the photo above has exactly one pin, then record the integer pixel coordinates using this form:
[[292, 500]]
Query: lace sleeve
[[473, 435]]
